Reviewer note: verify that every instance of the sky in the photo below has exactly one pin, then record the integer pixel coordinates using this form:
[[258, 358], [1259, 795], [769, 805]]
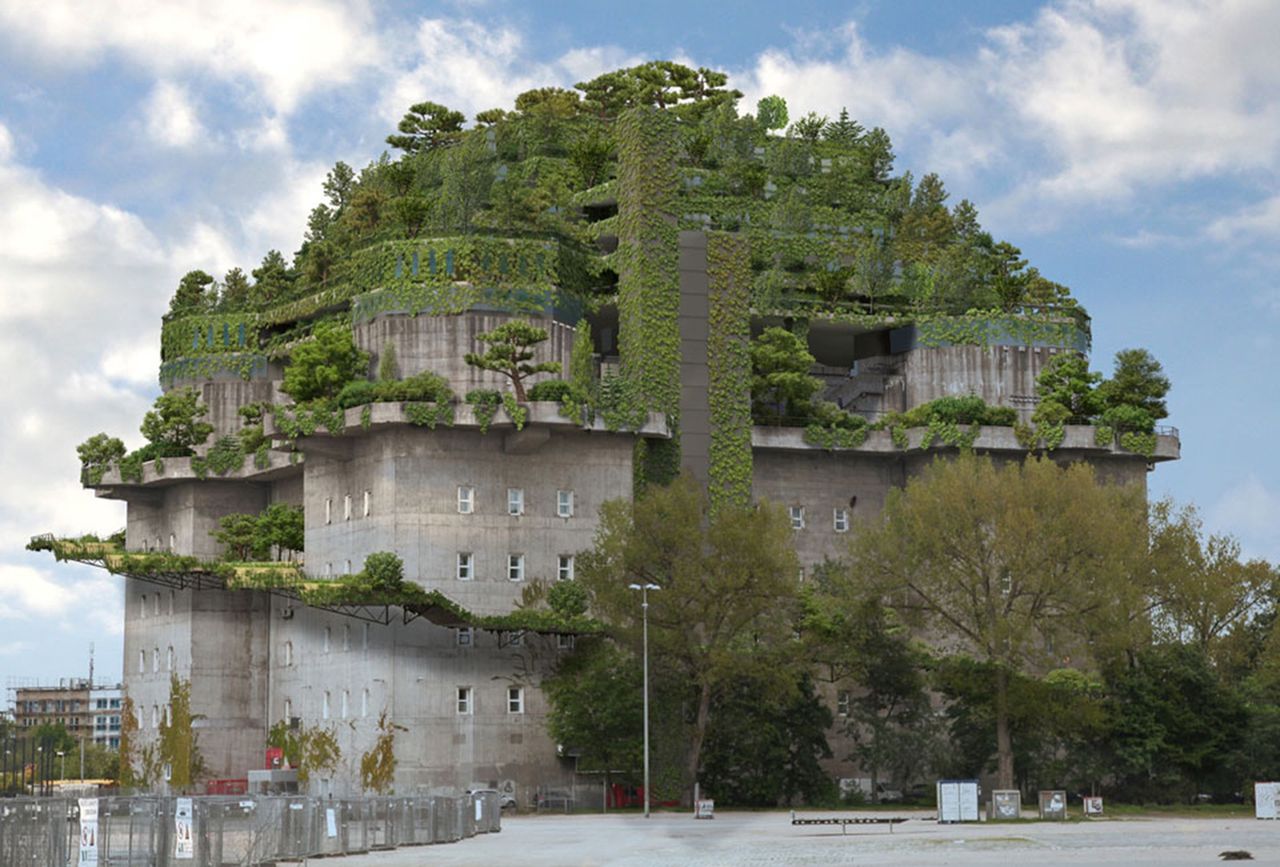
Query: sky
[[1130, 148]]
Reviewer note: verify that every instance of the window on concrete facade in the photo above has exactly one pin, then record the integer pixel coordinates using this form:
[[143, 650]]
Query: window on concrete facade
[[324, 641], [346, 507], [288, 710], [842, 702], [159, 544], [466, 566], [168, 660], [840, 520], [564, 504], [346, 569], [328, 510], [464, 700], [515, 501], [288, 653], [324, 705], [797, 517], [155, 660], [155, 716], [564, 642], [170, 601], [142, 661], [346, 637], [155, 605], [466, 499], [367, 497], [346, 701], [515, 699], [364, 703], [328, 570], [564, 567], [173, 543], [515, 567], [465, 636], [364, 638], [142, 606]]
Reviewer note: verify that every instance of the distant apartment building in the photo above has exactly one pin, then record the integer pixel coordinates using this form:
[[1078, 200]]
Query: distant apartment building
[[85, 711]]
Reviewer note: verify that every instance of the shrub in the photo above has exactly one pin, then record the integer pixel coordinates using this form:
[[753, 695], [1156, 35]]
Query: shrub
[[552, 389], [1128, 418], [384, 570], [358, 393]]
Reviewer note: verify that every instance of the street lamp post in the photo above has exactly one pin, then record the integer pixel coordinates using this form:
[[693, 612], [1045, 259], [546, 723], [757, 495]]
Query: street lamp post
[[644, 608], [63, 775]]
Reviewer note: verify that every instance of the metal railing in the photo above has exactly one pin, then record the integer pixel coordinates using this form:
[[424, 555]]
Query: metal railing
[[237, 831]]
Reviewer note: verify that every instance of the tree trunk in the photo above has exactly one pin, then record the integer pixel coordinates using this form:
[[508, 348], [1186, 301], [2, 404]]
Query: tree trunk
[[517, 385], [1004, 745], [700, 724]]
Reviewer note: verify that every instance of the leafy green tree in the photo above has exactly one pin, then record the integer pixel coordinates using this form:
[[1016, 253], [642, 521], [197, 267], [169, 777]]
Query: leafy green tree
[[178, 744], [427, 126], [1138, 381], [511, 349], [809, 128], [313, 750], [173, 425], [781, 387], [97, 454], [765, 749], [1013, 564], [378, 765], [320, 367], [771, 112], [1066, 381], [54, 737], [239, 533], [727, 597], [192, 295], [281, 526]]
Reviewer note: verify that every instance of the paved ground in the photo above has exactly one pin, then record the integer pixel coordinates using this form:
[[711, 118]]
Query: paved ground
[[769, 838]]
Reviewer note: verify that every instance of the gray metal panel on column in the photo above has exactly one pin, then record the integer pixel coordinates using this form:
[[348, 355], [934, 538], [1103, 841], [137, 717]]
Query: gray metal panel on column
[[695, 409]]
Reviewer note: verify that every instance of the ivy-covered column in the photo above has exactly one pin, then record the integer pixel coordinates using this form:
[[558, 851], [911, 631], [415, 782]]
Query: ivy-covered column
[[729, 368], [648, 281]]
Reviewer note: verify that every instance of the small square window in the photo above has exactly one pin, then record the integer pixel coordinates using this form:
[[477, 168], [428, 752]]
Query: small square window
[[515, 567], [466, 568], [840, 520], [367, 498], [464, 700], [797, 517], [564, 567], [466, 499], [515, 699], [564, 504], [346, 507], [465, 636], [564, 642], [515, 501]]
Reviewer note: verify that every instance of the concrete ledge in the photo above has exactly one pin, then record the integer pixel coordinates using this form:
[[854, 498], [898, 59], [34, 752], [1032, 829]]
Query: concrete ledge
[[991, 439], [179, 470]]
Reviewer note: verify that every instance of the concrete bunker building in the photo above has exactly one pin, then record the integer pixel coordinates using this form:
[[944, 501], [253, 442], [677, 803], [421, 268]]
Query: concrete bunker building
[[479, 507]]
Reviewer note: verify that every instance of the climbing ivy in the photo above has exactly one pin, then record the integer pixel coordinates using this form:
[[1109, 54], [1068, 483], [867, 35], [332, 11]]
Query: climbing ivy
[[485, 401], [729, 368], [427, 415]]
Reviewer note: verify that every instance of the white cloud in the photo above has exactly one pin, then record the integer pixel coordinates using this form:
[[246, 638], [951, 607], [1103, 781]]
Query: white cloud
[[171, 119], [1260, 220], [1250, 510], [471, 67], [6, 144], [283, 49]]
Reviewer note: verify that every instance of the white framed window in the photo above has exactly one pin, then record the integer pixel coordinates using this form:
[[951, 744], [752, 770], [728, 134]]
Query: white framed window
[[796, 514], [155, 605], [173, 546], [515, 699], [367, 501], [324, 707], [840, 520], [142, 662], [466, 566], [328, 510], [515, 567], [564, 642], [465, 636], [564, 504], [346, 701], [288, 710], [464, 700], [324, 642], [364, 703], [346, 637], [466, 499], [515, 501], [288, 653], [155, 716], [155, 660], [842, 703], [346, 507], [564, 567], [142, 607], [168, 659]]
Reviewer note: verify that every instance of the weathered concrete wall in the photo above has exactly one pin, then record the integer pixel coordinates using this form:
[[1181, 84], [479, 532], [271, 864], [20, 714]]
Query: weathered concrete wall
[[224, 397], [413, 474], [181, 517], [440, 343], [1000, 375]]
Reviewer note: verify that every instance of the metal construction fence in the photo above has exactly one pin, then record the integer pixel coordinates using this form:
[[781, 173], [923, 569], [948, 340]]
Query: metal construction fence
[[235, 831]]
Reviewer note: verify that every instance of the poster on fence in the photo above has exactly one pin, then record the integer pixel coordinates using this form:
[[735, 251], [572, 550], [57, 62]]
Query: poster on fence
[[88, 832], [331, 822], [184, 847]]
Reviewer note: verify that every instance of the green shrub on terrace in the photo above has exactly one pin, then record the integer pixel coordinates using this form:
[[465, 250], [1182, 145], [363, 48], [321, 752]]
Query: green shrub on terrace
[[967, 410], [97, 454], [174, 424], [425, 387], [320, 367], [551, 389]]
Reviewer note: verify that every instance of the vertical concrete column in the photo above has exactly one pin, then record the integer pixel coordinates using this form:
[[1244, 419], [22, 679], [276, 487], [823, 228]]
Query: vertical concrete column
[[695, 408]]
